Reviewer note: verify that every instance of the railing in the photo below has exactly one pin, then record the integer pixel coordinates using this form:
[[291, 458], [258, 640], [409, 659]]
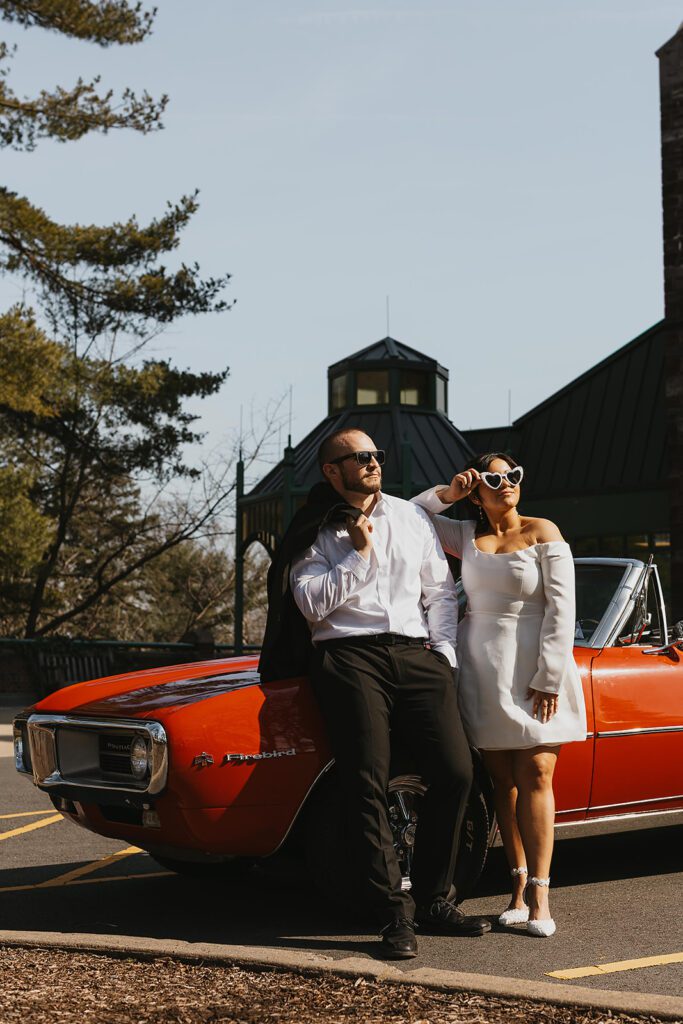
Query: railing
[[46, 664]]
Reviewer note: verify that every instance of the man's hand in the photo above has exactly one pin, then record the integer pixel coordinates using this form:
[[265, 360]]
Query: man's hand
[[359, 533], [544, 704], [460, 486]]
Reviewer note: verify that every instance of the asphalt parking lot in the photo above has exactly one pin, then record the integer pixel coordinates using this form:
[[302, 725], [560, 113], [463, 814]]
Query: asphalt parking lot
[[617, 899]]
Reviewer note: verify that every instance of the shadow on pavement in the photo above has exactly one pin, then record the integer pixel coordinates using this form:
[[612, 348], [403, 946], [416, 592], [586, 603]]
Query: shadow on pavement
[[273, 904], [641, 853]]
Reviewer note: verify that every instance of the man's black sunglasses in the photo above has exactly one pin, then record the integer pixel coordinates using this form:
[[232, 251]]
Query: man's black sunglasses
[[362, 458]]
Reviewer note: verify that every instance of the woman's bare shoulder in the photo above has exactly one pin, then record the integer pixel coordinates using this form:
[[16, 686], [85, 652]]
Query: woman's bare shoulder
[[543, 531]]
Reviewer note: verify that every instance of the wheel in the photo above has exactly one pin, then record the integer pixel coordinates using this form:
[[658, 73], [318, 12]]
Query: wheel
[[326, 849], [234, 869], [405, 794]]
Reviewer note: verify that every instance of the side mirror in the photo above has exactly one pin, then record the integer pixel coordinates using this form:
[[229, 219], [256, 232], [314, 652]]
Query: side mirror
[[677, 630]]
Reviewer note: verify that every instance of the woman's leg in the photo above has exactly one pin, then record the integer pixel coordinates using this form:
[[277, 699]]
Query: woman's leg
[[499, 766], [533, 774]]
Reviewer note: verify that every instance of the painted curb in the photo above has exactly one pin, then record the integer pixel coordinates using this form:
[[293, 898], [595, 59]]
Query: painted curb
[[664, 1007]]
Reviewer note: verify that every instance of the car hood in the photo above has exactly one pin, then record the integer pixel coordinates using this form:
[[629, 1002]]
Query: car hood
[[152, 693]]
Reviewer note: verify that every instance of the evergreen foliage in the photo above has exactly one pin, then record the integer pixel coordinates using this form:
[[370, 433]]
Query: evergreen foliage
[[93, 432]]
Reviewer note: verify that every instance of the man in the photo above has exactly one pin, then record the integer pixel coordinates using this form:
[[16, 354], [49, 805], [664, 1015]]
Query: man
[[381, 605]]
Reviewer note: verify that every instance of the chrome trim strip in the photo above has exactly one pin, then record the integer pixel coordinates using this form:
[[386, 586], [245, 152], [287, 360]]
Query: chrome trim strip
[[639, 732], [629, 816], [19, 720], [635, 803], [42, 733], [572, 810]]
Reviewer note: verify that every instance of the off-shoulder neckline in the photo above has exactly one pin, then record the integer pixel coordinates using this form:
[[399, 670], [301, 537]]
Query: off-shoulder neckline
[[517, 551]]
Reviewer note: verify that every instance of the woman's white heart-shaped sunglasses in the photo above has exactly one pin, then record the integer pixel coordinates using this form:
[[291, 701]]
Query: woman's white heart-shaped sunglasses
[[495, 480]]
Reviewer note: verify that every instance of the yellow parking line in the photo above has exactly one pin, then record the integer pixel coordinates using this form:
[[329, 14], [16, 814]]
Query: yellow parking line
[[31, 827], [121, 878], [618, 965], [90, 881], [25, 814], [87, 869]]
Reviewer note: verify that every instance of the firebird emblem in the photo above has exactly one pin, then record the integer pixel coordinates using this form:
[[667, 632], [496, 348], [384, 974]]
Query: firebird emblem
[[264, 756], [202, 760]]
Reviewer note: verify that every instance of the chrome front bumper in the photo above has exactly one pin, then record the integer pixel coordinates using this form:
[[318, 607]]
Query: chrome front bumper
[[67, 751]]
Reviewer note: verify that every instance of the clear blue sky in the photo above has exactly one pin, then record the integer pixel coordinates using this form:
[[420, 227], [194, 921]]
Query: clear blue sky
[[493, 167]]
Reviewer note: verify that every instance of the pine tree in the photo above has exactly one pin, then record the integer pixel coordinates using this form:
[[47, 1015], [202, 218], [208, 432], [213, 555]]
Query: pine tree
[[87, 422]]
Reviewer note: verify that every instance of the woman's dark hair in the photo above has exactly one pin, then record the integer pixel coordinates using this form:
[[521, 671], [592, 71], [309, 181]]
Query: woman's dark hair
[[481, 463]]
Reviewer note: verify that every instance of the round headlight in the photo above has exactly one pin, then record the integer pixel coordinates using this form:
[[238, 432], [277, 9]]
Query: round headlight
[[139, 757], [19, 752]]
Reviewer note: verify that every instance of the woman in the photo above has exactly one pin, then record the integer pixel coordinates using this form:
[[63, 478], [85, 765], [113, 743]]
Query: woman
[[519, 688]]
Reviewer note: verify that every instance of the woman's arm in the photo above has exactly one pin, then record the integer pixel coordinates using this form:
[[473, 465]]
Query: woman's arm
[[449, 531], [559, 620]]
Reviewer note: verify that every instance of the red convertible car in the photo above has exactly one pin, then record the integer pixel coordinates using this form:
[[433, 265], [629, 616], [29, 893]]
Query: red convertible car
[[207, 768]]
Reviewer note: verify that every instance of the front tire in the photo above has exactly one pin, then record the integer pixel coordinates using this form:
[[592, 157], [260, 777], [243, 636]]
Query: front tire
[[326, 848]]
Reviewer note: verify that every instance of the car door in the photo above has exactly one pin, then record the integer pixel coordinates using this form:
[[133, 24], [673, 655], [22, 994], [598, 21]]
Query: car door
[[638, 704], [572, 782]]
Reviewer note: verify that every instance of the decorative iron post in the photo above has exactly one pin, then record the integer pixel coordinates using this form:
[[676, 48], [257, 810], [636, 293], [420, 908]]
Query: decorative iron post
[[239, 561], [287, 484], [406, 471]]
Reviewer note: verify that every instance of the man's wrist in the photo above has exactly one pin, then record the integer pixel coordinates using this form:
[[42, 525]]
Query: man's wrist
[[364, 552]]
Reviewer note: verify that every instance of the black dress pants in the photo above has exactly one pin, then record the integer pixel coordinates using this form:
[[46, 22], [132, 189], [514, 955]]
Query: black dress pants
[[364, 693]]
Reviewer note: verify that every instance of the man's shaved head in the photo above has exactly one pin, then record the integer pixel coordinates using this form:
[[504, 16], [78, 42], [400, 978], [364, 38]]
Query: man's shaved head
[[341, 441], [350, 478]]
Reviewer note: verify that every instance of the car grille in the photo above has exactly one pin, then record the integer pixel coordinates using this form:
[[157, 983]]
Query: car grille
[[95, 753], [115, 754]]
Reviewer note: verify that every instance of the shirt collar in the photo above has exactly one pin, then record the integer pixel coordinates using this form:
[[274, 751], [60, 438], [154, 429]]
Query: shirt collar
[[380, 508]]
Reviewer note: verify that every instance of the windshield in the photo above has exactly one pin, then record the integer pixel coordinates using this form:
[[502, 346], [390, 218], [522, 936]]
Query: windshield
[[596, 585]]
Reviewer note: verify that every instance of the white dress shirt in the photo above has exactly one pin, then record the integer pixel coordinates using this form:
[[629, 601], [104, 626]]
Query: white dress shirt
[[404, 587]]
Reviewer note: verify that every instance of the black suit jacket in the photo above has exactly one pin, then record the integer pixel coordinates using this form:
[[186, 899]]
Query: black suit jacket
[[286, 649]]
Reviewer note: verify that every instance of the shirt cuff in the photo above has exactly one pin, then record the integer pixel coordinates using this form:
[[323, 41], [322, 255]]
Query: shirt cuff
[[356, 564], [447, 650], [431, 501]]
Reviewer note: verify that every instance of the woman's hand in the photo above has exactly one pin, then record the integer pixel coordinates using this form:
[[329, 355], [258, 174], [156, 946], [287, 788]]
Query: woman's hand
[[545, 704], [460, 486]]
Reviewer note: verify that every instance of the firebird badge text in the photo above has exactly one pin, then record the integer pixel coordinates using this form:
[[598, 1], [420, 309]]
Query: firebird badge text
[[265, 755]]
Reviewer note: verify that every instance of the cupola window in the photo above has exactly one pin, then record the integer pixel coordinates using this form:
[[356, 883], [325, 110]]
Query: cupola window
[[440, 394], [413, 388], [372, 387], [338, 386]]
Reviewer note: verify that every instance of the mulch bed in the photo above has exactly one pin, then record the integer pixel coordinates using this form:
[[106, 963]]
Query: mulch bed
[[54, 987]]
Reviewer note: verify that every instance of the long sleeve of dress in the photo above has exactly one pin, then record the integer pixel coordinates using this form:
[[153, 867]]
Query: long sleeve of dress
[[451, 532], [556, 644]]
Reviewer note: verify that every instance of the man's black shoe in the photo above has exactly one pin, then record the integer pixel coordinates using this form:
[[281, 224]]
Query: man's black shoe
[[441, 917], [398, 939]]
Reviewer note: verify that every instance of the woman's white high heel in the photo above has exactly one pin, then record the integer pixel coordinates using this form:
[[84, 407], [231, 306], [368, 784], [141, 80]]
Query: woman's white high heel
[[545, 928], [517, 915]]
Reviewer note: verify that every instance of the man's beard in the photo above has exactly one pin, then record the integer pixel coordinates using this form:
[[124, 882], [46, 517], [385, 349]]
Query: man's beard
[[364, 485]]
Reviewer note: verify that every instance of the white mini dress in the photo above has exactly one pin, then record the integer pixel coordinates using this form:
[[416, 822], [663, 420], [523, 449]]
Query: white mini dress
[[518, 632]]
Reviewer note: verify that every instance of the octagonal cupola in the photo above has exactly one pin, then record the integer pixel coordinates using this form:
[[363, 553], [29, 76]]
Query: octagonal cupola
[[386, 375]]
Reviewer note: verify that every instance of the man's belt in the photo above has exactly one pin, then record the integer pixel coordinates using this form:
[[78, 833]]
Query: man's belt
[[373, 640]]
